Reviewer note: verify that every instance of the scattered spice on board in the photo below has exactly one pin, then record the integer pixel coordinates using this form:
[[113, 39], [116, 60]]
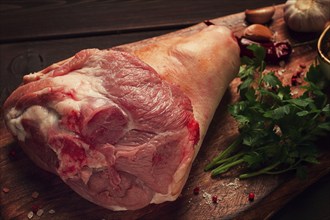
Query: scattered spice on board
[[208, 197], [196, 190], [12, 153], [295, 79], [30, 215], [234, 184], [215, 199], [5, 189], [251, 196], [35, 208], [35, 195], [40, 212]]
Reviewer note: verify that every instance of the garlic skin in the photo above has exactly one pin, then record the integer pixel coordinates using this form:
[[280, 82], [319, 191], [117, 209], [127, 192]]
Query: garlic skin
[[258, 32], [307, 15]]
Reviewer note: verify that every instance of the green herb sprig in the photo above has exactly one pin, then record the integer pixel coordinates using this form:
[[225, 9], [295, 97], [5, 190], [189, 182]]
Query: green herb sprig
[[276, 131]]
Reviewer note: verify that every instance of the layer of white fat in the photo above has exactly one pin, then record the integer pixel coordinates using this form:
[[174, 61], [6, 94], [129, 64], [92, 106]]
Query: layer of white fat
[[83, 86], [88, 91], [38, 114]]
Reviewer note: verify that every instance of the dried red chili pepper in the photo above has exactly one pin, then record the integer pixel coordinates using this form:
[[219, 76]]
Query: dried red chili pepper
[[275, 51]]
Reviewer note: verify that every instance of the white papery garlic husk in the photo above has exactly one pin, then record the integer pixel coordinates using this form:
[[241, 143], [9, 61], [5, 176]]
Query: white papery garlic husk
[[307, 15]]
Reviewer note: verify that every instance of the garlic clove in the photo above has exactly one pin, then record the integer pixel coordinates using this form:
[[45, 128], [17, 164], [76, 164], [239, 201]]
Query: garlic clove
[[307, 15], [258, 32], [260, 15]]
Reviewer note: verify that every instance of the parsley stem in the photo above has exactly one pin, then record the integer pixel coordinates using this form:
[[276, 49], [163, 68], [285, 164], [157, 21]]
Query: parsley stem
[[224, 154], [225, 168], [228, 159], [259, 172], [292, 167]]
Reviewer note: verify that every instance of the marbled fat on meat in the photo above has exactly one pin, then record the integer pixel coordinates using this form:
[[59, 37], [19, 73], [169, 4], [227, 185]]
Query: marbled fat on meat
[[122, 128]]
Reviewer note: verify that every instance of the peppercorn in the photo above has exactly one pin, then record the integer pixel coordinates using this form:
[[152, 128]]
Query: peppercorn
[[35, 208], [196, 190], [251, 196], [12, 154], [214, 199]]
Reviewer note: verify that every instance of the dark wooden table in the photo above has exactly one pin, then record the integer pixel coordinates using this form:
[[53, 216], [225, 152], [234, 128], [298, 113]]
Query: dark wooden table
[[35, 34]]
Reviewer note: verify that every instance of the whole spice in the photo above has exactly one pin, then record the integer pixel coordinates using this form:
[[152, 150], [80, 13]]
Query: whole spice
[[251, 196], [5, 189], [260, 15], [275, 51], [258, 32], [30, 215], [196, 190], [35, 195], [12, 154], [215, 199], [35, 208], [307, 15], [40, 212], [295, 79]]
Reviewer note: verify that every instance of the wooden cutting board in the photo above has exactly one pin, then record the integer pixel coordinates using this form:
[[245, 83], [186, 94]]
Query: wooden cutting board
[[25, 187]]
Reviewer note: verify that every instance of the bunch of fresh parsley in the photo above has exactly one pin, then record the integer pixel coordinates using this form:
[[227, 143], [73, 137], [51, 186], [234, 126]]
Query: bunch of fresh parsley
[[276, 131]]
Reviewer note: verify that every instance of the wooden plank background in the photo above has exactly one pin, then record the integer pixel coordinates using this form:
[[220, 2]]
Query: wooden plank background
[[34, 34], [44, 19]]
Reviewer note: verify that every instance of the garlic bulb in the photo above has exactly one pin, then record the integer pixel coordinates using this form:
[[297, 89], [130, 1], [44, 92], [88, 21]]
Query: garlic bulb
[[307, 15]]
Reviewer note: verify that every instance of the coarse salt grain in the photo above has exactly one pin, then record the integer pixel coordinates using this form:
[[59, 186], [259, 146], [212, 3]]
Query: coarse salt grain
[[30, 215], [234, 184], [208, 197], [40, 212], [52, 211], [280, 72]]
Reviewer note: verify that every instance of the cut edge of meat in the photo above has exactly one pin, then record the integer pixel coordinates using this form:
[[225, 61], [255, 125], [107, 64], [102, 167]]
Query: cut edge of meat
[[71, 160]]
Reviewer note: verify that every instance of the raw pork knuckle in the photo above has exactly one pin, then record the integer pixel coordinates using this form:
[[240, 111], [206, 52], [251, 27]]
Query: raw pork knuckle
[[122, 126]]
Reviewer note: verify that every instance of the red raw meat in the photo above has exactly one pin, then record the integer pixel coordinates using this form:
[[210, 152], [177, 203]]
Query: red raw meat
[[122, 127]]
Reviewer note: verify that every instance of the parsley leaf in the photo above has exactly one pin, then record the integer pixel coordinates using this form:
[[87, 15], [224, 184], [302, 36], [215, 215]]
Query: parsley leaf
[[276, 131]]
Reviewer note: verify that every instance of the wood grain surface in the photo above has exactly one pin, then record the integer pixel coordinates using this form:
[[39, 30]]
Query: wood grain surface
[[22, 178], [45, 19]]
